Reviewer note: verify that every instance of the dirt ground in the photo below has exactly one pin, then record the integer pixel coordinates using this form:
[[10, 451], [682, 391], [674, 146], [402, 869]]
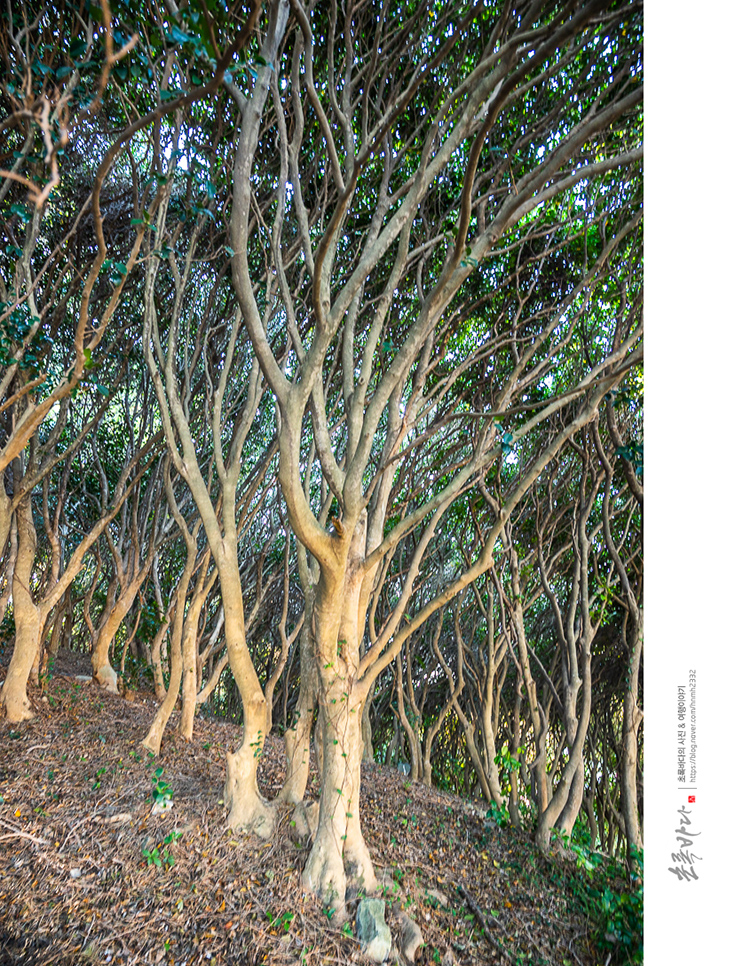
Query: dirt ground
[[88, 874]]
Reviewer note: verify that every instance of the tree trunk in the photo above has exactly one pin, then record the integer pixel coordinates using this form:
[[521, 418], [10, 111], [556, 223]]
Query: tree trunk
[[538, 767], [190, 658], [297, 738], [247, 810], [565, 803], [9, 562], [153, 739], [412, 734], [14, 697], [339, 855], [156, 658], [104, 674], [632, 716], [368, 752]]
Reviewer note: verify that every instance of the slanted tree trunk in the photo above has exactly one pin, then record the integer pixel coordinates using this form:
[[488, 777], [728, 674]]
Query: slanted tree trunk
[[538, 719], [104, 674], [153, 739], [563, 808], [190, 680], [247, 809], [412, 732]]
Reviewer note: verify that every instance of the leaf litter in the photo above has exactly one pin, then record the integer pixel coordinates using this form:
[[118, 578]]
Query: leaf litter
[[90, 874]]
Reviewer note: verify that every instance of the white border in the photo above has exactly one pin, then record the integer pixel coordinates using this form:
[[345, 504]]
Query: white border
[[687, 534]]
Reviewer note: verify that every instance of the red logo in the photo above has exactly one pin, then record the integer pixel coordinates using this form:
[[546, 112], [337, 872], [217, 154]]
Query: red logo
[[690, 798]]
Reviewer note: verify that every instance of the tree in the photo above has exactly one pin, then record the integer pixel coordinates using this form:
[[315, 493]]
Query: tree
[[377, 209]]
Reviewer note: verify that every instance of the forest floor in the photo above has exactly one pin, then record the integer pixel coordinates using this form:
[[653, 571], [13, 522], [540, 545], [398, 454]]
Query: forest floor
[[88, 874]]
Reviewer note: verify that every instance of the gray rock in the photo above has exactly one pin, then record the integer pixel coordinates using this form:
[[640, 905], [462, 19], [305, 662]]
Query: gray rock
[[372, 930]]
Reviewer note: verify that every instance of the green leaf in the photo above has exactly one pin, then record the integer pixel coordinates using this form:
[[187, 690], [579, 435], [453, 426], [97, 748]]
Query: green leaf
[[178, 36], [22, 212]]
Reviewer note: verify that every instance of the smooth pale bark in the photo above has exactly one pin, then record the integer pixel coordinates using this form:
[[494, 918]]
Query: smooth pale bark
[[247, 809], [412, 732], [556, 815], [9, 565], [189, 670], [632, 716], [297, 738], [190, 678], [14, 697], [153, 738], [6, 519], [104, 674], [339, 855], [538, 767]]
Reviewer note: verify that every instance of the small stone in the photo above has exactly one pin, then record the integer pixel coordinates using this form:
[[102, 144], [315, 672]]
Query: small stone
[[372, 930], [410, 937]]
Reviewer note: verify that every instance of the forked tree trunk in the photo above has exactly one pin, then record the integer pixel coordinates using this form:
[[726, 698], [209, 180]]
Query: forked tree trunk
[[190, 656], [104, 674], [153, 738], [565, 803], [14, 697]]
